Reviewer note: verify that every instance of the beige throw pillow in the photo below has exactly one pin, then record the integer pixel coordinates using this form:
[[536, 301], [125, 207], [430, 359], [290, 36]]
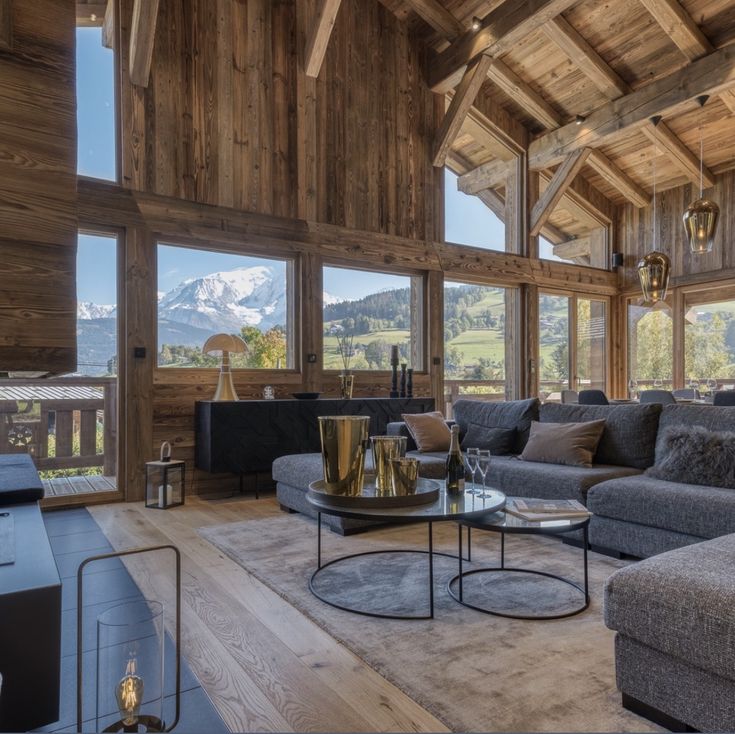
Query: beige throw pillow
[[429, 430], [573, 444]]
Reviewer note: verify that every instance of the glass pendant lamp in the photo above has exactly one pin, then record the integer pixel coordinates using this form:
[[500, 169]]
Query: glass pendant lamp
[[700, 217], [654, 269]]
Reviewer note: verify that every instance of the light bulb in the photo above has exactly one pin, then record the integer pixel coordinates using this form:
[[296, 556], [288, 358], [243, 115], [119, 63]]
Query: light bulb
[[129, 694]]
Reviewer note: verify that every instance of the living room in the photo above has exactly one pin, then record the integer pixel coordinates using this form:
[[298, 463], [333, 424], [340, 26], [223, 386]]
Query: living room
[[367, 365]]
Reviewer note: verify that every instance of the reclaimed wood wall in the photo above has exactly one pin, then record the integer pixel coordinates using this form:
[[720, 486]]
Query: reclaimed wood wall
[[38, 222], [635, 235]]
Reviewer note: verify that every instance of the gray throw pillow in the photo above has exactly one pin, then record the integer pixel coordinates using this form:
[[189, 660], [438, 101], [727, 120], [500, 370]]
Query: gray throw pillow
[[500, 441], [573, 444], [695, 455]]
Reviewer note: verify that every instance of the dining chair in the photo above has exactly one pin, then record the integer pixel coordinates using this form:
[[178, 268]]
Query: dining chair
[[724, 397], [593, 397], [662, 397], [569, 396], [687, 393]]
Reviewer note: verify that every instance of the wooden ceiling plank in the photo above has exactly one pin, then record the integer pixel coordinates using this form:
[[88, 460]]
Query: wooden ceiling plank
[[728, 98], [487, 176], [558, 185], [142, 40], [500, 30], [678, 153], [316, 46], [459, 107], [679, 27], [438, 17], [6, 24], [615, 177], [712, 74], [568, 39], [532, 102], [108, 26]]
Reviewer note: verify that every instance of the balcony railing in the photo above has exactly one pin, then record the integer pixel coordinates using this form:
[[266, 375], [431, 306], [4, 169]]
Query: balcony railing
[[64, 424]]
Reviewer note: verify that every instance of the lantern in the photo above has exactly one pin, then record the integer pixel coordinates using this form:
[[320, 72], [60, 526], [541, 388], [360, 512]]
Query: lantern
[[653, 271], [165, 481]]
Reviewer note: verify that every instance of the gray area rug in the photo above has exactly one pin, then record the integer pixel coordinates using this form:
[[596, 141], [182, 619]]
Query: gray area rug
[[473, 671]]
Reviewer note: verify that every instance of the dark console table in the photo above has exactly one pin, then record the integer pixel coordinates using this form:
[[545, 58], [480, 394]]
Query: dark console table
[[245, 436]]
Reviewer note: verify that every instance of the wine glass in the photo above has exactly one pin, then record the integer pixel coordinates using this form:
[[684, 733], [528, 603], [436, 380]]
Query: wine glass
[[483, 465], [658, 383], [470, 460], [711, 386], [632, 388], [694, 386]]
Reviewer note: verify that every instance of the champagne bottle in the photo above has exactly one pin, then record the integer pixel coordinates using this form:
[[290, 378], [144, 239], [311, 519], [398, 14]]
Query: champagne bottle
[[455, 465]]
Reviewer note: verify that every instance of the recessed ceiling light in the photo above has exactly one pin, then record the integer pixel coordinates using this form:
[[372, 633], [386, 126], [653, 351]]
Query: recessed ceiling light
[[476, 23], [579, 119], [93, 17]]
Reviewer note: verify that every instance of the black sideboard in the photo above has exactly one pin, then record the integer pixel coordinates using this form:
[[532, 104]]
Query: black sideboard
[[245, 436]]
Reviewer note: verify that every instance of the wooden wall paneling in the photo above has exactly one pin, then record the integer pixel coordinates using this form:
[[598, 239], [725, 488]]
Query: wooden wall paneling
[[142, 39], [311, 320], [38, 188], [6, 24], [318, 40], [530, 336]]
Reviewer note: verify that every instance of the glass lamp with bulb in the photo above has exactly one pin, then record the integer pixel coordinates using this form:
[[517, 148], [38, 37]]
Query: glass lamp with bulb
[[700, 222], [654, 270]]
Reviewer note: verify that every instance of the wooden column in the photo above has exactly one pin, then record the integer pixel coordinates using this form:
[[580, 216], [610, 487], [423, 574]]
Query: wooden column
[[311, 321], [435, 337], [530, 354]]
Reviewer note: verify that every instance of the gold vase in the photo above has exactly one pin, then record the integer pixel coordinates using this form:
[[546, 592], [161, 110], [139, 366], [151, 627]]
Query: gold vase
[[344, 440], [346, 381], [386, 448]]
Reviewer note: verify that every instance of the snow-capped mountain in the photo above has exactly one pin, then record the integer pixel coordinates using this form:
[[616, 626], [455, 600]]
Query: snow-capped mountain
[[88, 310]]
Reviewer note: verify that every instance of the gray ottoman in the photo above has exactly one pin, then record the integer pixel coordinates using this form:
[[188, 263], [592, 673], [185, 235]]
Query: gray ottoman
[[675, 643]]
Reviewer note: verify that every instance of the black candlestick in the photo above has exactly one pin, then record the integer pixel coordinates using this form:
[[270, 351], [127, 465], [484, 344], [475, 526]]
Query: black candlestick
[[394, 381], [403, 380], [409, 383]]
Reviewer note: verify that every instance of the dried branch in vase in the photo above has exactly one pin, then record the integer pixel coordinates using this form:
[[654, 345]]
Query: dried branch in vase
[[346, 352]]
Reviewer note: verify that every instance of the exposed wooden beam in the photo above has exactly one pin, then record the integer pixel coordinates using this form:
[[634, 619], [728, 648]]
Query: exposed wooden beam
[[6, 24], [492, 135], [728, 98], [493, 201], [615, 177], [142, 40], [459, 107], [108, 26], [553, 234], [438, 17], [559, 183], [90, 15], [578, 207], [678, 153], [316, 46], [573, 249], [487, 176], [712, 74], [532, 102], [501, 29], [679, 27], [590, 63]]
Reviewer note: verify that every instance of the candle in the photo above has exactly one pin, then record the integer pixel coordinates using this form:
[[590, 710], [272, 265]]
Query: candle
[[394, 354]]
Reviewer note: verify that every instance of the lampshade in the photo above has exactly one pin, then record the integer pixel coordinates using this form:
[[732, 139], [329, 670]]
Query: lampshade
[[653, 271], [700, 223]]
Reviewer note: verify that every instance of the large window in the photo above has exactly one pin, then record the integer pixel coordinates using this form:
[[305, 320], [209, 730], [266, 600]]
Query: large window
[[468, 220], [372, 311], [96, 131], [650, 346], [554, 343], [591, 357], [96, 305], [709, 344], [474, 340], [201, 292]]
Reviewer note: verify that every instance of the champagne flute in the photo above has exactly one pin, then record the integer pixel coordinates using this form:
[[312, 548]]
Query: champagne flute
[[470, 460], [694, 386], [483, 465], [711, 386]]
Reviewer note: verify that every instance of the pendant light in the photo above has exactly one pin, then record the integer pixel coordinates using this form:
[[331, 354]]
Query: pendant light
[[655, 267], [700, 217]]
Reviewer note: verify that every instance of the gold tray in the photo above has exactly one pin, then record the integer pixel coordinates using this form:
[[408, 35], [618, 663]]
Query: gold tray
[[427, 491]]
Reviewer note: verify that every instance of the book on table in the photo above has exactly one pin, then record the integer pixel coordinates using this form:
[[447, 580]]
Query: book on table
[[538, 510]]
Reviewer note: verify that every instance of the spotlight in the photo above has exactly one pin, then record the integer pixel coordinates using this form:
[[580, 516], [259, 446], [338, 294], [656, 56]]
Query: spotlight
[[579, 119], [476, 23]]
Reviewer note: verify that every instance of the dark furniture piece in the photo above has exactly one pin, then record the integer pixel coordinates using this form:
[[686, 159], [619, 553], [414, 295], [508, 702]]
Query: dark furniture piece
[[686, 393], [446, 508], [504, 523], [246, 436], [30, 631], [592, 397], [661, 397], [724, 397], [19, 480]]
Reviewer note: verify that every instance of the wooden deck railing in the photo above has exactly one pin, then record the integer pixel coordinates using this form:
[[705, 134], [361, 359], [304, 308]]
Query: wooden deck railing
[[61, 431]]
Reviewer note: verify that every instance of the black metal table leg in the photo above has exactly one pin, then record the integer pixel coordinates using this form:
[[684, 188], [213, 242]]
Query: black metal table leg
[[459, 556], [431, 570], [586, 572], [318, 540], [502, 550], [469, 545]]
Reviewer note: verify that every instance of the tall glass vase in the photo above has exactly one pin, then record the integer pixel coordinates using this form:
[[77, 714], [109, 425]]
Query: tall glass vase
[[346, 381]]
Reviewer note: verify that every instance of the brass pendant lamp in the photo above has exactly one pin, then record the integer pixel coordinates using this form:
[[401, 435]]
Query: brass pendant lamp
[[654, 268], [700, 217]]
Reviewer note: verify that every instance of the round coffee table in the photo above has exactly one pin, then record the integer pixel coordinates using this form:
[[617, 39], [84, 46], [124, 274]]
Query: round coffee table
[[504, 523], [445, 508]]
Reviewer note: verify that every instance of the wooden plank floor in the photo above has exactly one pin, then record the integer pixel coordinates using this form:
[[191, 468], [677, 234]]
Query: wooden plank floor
[[61, 486], [265, 666]]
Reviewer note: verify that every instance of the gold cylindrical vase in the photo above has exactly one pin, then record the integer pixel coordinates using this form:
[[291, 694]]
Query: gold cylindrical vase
[[404, 476], [346, 382], [344, 440], [386, 448]]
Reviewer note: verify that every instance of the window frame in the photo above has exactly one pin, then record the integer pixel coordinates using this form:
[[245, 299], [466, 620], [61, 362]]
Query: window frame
[[294, 327], [419, 277]]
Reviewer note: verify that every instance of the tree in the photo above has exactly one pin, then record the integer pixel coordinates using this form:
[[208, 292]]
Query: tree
[[706, 354], [560, 362], [377, 354], [652, 350], [454, 362]]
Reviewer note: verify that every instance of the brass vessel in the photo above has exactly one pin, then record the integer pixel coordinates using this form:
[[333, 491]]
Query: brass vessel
[[344, 441], [404, 476], [386, 448]]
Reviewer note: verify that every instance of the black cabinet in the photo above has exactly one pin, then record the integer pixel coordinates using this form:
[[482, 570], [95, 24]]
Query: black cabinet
[[245, 436]]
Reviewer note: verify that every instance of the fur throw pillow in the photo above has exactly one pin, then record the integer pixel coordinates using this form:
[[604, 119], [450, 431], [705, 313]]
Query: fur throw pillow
[[695, 455]]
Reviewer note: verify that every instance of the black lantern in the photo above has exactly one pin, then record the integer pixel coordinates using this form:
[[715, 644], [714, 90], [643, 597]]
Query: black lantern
[[165, 481]]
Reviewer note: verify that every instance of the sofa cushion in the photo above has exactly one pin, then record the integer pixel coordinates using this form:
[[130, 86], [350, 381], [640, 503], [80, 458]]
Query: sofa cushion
[[498, 441], [547, 481], [429, 430], [681, 603], [706, 512], [516, 414], [573, 444], [707, 416], [432, 465], [629, 438], [19, 480], [695, 455]]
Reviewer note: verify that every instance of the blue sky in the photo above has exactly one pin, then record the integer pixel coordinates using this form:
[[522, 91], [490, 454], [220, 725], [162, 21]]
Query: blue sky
[[467, 220]]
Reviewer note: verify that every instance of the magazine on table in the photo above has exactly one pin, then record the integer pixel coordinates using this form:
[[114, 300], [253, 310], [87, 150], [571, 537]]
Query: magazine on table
[[537, 510]]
